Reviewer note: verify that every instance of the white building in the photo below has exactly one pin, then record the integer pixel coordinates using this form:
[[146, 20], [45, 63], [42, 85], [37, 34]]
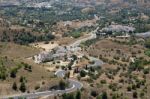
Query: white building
[[43, 57]]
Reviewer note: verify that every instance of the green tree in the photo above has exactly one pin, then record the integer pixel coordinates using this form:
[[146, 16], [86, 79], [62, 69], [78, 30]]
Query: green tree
[[99, 97], [14, 86], [13, 73], [146, 70], [129, 88], [104, 95], [82, 73], [135, 95], [62, 85], [93, 93], [78, 95], [22, 87], [147, 43], [114, 96], [68, 96], [21, 79]]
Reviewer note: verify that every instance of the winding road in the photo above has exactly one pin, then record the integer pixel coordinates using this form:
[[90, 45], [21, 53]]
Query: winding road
[[97, 62], [78, 42], [75, 85], [60, 73]]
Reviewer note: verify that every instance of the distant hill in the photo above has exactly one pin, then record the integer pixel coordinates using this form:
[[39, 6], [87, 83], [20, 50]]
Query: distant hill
[[19, 2]]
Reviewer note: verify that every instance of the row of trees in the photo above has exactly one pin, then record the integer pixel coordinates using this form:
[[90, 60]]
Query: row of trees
[[22, 87], [25, 38]]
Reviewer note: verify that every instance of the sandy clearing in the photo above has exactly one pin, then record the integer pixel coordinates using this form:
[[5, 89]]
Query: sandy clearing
[[45, 47]]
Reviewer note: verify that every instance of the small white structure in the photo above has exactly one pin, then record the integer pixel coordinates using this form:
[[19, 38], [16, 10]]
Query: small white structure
[[43, 57], [124, 36]]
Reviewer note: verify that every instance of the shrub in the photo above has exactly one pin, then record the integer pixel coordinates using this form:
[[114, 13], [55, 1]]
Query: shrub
[[135, 95], [129, 88], [67, 96], [141, 94], [147, 43], [104, 95], [134, 87], [94, 93], [103, 82], [147, 52], [146, 71], [82, 73], [113, 86]]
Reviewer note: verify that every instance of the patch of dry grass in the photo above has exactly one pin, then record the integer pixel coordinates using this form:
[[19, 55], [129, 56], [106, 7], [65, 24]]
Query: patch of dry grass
[[17, 51]]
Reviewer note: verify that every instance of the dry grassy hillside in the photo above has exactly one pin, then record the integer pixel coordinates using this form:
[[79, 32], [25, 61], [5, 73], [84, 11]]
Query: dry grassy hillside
[[17, 51], [14, 65]]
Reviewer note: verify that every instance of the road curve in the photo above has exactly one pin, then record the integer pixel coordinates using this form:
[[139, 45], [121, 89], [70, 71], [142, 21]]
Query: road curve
[[78, 85], [75, 85], [97, 62]]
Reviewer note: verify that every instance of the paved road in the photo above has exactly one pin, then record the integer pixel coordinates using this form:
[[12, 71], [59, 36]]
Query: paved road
[[97, 62], [60, 73], [78, 42]]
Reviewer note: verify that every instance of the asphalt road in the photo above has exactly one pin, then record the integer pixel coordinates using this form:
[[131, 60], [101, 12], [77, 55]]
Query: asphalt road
[[78, 42], [75, 85], [97, 62], [60, 73]]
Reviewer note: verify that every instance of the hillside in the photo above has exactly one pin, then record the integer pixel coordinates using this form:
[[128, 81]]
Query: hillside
[[15, 66], [20, 34], [75, 49]]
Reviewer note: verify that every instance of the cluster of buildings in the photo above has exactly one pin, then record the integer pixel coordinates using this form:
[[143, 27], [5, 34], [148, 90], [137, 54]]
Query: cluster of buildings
[[119, 30], [65, 52], [58, 53], [143, 35]]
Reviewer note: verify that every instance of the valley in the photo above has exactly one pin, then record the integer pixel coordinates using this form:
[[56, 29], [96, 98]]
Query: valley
[[74, 49]]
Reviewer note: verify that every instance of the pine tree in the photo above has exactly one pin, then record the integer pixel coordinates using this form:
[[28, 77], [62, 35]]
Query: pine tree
[[22, 87], [21, 79], [62, 85], [14, 87], [78, 95]]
